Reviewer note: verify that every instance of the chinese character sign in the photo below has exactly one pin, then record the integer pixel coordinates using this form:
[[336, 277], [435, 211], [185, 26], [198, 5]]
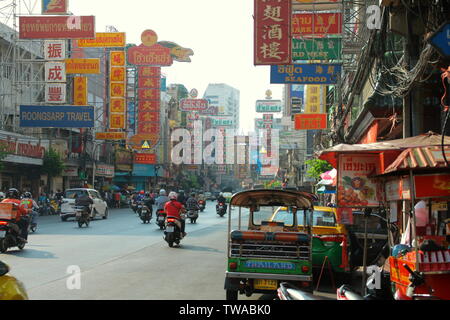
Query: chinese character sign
[[117, 90], [149, 96], [355, 187], [55, 93], [316, 24], [315, 99], [311, 121], [54, 50], [55, 72], [80, 91], [272, 43]]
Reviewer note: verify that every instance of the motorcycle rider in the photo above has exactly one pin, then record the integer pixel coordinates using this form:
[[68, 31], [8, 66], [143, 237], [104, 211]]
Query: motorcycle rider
[[29, 203], [149, 202], [192, 203], [161, 200], [174, 208], [22, 221], [182, 197], [221, 199], [84, 201]]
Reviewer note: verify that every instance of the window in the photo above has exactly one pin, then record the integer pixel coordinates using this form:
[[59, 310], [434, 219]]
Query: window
[[267, 214], [72, 194]]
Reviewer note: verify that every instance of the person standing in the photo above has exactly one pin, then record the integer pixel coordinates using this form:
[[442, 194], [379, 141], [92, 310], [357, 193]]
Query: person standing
[[117, 197]]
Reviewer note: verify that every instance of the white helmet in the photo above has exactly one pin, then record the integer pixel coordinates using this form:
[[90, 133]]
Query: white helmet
[[162, 192], [173, 195]]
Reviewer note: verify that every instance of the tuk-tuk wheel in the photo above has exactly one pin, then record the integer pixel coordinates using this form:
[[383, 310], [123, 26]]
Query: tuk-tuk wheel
[[232, 295]]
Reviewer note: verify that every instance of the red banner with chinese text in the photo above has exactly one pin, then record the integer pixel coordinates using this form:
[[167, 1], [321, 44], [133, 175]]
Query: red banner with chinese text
[[272, 32], [80, 91]]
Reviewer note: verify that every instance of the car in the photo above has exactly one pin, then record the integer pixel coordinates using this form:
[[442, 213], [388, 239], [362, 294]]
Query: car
[[328, 237], [100, 208]]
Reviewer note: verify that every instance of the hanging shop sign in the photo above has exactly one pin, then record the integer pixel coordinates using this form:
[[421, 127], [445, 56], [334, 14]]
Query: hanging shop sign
[[263, 106], [440, 40], [55, 93], [55, 7], [398, 189], [55, 72], [194, 104], [124, 160], [149, 53], [110, 135], [117, 90], [23, 149], [54, 50], [316, 24], [305, 74], [355, 188], [223, 122], [104, 170], [432, 186], [272, 38], [83, 66], [80, 91], [56, 117], [55, 27], [310, 121], [316, 49], [315, 99], [104, 40], [145, 158]]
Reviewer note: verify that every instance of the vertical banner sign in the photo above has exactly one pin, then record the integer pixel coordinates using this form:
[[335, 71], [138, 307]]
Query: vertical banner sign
[[149, 84], [117, 90], [55, 73], [315, 99], [355, 187], [54, 50], [80, 91], [272, 34]]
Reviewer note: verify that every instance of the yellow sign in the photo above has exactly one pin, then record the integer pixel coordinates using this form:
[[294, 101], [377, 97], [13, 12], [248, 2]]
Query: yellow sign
[[117, 58], [117, 90], [117, 74], [117, 105], [82, 66], [80, 91], [104, 40], [117, 121], [111, 136], [315, 99]]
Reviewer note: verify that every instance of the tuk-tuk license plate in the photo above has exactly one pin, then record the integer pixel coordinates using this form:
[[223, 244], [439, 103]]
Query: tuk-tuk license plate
[[170, 229], [263, 284], [2, 234]]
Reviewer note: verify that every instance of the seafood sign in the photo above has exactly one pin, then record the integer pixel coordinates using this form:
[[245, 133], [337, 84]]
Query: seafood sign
[[355, 187]]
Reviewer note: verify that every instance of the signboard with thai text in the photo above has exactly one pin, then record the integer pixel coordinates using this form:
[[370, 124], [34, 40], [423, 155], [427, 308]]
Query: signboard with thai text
[[56, 117], [56, 27], [316, 24], [263, 106], [110, 135], [310, 121], [305, 74], [272, 42], [145, 158], [104, 40], [83, 66], [316, 49], [355, 188], [194, 104]]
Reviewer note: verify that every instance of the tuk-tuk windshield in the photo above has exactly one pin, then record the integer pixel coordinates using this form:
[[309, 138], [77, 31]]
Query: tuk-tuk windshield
[[268, 214], [320, 218]]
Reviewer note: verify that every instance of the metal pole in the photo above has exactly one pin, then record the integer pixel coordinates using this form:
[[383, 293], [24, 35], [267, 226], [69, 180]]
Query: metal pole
[[363, 291]]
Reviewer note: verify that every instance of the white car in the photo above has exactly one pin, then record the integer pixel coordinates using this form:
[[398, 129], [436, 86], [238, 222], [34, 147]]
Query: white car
[[99, 208]]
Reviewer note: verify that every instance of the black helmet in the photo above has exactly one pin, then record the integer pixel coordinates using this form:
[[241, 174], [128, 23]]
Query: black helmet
[[28, 195], [13, 194]]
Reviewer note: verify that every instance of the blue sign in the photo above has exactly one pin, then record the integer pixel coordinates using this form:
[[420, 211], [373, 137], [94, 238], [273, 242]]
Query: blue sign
[[305, 73], [297, 91], [57, 116], [440, 40]]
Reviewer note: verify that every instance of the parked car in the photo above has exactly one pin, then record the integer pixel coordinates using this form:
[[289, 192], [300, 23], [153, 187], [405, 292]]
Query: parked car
[[100, 208]]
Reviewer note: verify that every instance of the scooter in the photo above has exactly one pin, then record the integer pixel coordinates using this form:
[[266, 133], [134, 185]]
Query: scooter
[[33, 223], [82, 216], [221, 209], [287, 291], [144, 213], [193, 215], [10, 287], [9, 236], [161, 219], [202, 205], [173, 230], [134, 206]]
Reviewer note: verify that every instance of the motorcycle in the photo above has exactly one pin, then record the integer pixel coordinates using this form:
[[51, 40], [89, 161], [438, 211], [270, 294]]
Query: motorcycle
[[134, 206], [193, 215], [287, 291], [173, 230], [82, 216], [221, 209], [9, 236], [161, 219], [144, 213], [33, 223], [10, 287], [202, 205]]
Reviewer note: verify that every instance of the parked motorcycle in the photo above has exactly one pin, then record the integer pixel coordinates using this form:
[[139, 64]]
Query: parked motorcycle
[[144, 213], [10, 287], [173, 231], [202, 205], [82, 216], [193, 215], [287, 291], [161, 219], [221, 209], [9, 236]]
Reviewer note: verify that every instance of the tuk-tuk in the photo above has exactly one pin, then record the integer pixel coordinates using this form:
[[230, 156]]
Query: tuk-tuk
[[261, 253]]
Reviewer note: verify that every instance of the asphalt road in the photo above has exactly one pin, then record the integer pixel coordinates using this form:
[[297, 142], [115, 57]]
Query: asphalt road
[[123, 259]]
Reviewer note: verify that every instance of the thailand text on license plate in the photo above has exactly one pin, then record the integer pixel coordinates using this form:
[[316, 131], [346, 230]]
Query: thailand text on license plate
[[263, 284], [170, 229]]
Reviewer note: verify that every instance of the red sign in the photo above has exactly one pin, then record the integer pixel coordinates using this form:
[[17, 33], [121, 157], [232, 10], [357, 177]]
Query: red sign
[[154, 83], [149, 72], [56, 27], [148, 128], [316, 24], [433, 185], [155, 55], [194, 104], [149, 94], [272, 43], [311, 121], [148, 105], [144, 116], [145, 158]]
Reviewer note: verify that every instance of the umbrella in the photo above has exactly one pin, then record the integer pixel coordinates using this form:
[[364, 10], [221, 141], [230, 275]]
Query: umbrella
[[115, 188], [131, 188]]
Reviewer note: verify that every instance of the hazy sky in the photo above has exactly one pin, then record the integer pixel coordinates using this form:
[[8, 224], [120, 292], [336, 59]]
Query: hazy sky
[[219, 31]]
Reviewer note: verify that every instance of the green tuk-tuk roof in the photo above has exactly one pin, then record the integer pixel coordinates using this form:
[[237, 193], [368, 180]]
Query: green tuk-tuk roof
[[270, 197]]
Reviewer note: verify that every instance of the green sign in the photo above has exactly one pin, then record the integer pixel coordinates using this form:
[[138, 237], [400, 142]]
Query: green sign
[[223, 122], [264, 106], [316, 49]]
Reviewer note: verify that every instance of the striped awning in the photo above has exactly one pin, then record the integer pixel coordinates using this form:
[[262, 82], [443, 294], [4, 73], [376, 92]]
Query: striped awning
[[421, 158]]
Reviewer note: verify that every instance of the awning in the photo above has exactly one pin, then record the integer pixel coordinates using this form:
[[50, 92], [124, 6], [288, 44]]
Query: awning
[[420, 159], [424, 140]]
